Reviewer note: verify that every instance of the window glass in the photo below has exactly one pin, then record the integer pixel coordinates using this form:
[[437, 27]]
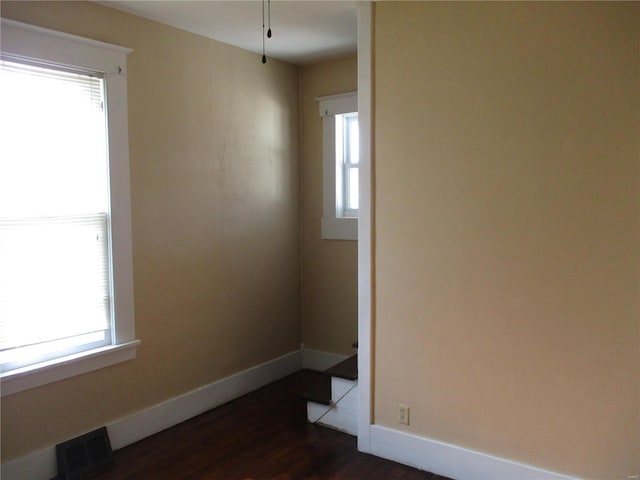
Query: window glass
[[54, 212], [353, 189], [348, 157], [354, 141]]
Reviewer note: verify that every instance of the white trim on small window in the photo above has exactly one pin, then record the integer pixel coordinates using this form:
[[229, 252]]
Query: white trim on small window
[[338, 221], [28, 43]]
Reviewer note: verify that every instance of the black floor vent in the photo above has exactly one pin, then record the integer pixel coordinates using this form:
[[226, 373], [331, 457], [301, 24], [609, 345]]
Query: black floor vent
[[83, 454]]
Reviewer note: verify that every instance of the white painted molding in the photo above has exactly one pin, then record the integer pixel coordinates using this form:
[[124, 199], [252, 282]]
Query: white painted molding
[[60, 368], [164, 415], [365, 92], [332, 105], [35, 43], [450, 460], [41, 465], [320, 361]]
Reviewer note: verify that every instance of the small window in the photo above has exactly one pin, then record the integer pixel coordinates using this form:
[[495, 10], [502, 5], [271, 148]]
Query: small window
[[341, 166], [347, 155], [66, 290]]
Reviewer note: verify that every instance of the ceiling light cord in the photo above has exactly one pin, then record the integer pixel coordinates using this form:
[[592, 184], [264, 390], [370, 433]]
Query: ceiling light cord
[[268, 6], [264, 56]]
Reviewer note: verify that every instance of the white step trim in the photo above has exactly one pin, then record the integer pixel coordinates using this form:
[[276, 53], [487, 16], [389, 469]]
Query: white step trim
[[450, 460], [41, 465], [319, 361], [315, 411], [343, 415], [340, 387]]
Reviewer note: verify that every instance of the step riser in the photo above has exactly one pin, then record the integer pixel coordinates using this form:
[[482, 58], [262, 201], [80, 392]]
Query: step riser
[[315, 411], [339, 387], [344, 415], [335, 403]]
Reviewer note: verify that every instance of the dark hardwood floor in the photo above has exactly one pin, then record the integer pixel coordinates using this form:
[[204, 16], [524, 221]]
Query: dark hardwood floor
[[263, 435]]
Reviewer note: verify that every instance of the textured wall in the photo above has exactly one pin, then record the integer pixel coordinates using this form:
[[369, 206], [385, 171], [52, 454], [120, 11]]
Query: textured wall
[[215, 187], [507, 229]]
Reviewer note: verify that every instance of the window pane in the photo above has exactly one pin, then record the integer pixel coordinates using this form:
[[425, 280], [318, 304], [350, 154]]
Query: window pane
[[353, 188], [53, 145], [354, 140], [54, 256], [54, 278]]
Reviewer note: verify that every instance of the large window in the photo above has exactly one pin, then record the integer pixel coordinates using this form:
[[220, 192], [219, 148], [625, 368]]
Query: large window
[[66, 300], [341, 166]]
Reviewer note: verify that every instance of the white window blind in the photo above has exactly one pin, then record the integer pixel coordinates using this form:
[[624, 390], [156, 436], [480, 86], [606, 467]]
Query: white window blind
[[55, 284]]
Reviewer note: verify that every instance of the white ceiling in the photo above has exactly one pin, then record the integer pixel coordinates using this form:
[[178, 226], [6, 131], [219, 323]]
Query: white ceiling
[[304, 31]]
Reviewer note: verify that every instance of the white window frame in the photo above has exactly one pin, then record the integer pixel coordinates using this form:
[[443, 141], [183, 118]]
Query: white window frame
[[344, 163], [334, 225], [28, 43]]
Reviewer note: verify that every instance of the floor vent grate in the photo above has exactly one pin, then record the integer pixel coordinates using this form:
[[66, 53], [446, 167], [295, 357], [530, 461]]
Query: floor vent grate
[[83, 454]]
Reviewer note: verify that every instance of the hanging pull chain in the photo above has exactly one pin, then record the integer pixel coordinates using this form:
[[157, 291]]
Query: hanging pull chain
[[268, 7], [269, 18], [264, 56]]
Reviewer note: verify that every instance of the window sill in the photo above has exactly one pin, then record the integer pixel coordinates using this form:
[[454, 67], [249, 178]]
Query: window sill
[[339, 228], [65, 367]]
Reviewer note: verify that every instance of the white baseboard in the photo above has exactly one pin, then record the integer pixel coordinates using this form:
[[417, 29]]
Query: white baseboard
[[41, 465], [450, 460], [164, 415], [320, 361]]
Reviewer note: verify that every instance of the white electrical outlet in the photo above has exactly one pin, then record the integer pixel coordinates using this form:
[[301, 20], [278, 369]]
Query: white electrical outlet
[[403, 414]]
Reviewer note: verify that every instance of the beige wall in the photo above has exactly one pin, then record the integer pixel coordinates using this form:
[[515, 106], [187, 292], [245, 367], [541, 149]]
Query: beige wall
[[215, 189], [507, 241], [330, 267]]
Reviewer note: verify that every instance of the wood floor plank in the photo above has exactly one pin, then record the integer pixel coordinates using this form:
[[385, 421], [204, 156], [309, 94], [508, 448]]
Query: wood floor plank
[[261, 436]]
